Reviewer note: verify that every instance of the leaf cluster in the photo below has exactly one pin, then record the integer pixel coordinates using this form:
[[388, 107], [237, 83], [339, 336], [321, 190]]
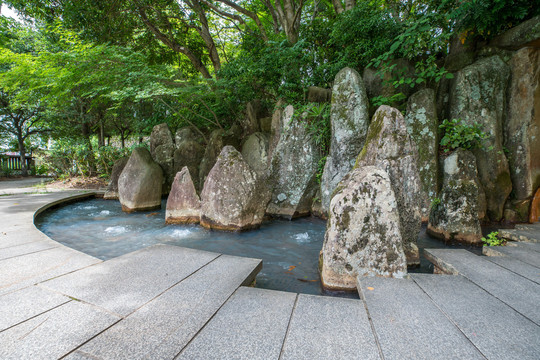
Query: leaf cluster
[[460, 135]]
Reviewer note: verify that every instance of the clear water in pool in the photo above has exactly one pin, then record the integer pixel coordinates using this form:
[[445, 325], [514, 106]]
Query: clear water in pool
[[289, 249]]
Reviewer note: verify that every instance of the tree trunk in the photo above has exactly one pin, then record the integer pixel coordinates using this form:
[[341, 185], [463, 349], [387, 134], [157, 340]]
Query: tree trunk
[[289, 13], [204, 31], [22, 155], [90, 159], [349, 4], [338, 6]]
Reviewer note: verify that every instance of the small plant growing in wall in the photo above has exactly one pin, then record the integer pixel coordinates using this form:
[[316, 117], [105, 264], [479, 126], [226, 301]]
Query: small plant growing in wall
[[459, 135], [492, 239], [436, 201]]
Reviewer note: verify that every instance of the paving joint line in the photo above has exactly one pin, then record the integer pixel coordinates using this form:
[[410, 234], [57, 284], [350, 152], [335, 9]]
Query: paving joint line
[[446, 315], [370, 320], [288, 326]]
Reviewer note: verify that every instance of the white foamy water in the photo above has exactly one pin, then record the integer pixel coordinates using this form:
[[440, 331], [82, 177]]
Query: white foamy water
[[302, 237], [181, 233], [104, 212], [115, 230], [89, 207]]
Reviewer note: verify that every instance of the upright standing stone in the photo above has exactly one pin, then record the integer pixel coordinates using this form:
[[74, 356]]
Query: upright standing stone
[[423, 127], [522, 126], [189, 153], [279, 117], [478, 97], [139, 185], [363, 236], [454, 216], [390, 147], [254, 112], [255, 152], [112, 189], [162, 150], [294, 169], [234, 197], [349, 117], [218, 139], [183, 203]]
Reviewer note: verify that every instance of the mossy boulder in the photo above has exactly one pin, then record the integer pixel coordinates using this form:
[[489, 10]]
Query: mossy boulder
[[319, 95], [454, 215], [293, 169], [139, 185], [526, 34], [112, 189], [423, 126], [349, 118], [522, 125], [363, 236], [390, 147], [183, 203], [255, 152], [162, 150], [478, 97], [234, 196]]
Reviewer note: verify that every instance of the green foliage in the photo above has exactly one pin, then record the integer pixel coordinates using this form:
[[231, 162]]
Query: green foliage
[[361, 34], [316, 119], [387, 100], [488, 18], [459, 135], [435, 202], [72, 157], [492, 239]]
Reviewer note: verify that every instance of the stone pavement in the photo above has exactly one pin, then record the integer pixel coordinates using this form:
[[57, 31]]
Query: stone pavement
[[168, 302]]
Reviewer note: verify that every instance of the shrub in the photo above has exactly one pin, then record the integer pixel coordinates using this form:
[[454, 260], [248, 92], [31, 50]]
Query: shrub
[[492, 239], [459, 135]]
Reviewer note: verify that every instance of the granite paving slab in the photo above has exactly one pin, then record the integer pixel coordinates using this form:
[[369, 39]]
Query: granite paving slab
[[54, 333], [22, 271], [519, 253], [22, 305], [251, 325], [516, 291], [409, 325], [19, 235], [485, 320], [24, 249], [521, 235], [125, 283], [164, 326], [528, 271], [329, 328], [525, 245]]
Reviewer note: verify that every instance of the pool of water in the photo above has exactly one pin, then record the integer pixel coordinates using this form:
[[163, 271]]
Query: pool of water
[[289, 249]]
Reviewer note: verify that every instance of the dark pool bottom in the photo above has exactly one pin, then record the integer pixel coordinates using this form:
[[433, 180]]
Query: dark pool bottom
[[289, 249]]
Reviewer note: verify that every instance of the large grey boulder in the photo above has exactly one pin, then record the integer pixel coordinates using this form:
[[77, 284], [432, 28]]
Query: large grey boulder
[[454, 215], [254, 111], [525, 34], [279, 117], [478, 97], [218, 139], [234, 197], [349, 118], [293, 170], [390, 147], [162, 150], [183, 203], [522, 126], [423, 126], [255, 152], [112, 189], [363, 236], [189, 152], [139, 185], [186, 134]]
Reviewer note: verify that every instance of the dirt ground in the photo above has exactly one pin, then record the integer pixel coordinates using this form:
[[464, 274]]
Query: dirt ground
[[89, 183]]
